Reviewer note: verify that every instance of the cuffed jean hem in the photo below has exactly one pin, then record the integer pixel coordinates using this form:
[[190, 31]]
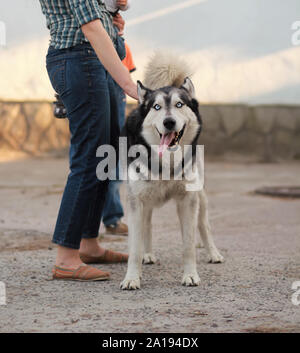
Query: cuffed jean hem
[[89, 236], [66, 245]]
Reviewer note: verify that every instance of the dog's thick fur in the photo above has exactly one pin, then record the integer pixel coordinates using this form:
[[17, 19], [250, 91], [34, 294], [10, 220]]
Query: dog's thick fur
[[166, 69], [169, 96]]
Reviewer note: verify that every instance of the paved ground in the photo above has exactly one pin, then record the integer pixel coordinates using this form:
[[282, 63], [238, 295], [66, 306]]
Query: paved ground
[[251, 291]]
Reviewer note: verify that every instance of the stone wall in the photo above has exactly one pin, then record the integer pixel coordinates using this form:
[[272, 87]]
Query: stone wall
[[265, 133], [31, 128], [261, 133]]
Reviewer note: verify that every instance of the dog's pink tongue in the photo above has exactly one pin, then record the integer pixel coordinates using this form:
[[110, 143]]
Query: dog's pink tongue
[[165, 141]]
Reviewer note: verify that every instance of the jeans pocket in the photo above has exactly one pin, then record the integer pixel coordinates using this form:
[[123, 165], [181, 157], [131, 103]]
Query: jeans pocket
[[57, 75]]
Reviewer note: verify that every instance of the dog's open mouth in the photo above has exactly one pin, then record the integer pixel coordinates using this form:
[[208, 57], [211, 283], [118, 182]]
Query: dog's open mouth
[[169, 140]]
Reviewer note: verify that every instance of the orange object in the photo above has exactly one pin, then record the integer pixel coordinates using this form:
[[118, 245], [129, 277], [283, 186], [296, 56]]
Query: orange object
[[128, 60], [82, 273]]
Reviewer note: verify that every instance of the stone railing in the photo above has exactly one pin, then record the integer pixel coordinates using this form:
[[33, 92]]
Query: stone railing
[[262, 133]]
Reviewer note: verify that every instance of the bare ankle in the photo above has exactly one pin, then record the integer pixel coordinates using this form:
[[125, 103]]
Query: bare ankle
[[91, 247], [67, 257]]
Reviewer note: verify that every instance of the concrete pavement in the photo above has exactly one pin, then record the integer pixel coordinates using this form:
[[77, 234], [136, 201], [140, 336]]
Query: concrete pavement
[[251, 292]]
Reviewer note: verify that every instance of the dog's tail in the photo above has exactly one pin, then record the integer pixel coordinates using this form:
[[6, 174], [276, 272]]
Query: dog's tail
[[166, 69]]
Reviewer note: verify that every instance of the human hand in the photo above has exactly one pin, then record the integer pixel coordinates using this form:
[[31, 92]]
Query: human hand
[[120, 23], [121, 3], [131, 90]]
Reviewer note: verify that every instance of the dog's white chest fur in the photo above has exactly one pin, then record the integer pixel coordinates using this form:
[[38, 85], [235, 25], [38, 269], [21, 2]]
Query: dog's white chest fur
[[155, 192]]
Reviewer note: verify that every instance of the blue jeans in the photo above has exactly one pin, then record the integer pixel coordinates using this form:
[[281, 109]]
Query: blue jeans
[[113, 210], [91, 100]]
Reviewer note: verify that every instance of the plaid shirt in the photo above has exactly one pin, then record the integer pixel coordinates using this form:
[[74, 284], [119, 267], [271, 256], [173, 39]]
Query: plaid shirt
[[65, 17]]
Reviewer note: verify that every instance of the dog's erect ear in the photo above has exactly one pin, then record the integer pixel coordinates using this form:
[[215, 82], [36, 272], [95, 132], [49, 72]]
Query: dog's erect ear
[[142, 92], [188, 86]]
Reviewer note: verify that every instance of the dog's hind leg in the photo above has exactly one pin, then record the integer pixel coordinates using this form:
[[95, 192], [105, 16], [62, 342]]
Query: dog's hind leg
[[148, 258], [199, 243], [136, 244], [187, 211], [214, 255]]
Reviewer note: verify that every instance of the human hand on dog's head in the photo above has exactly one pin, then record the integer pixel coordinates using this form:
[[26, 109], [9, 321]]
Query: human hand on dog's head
[[132, 90]]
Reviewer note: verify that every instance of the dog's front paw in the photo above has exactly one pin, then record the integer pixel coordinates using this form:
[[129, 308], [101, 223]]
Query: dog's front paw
[[131, 284], [149, 259], [215, 257], [190, 280]]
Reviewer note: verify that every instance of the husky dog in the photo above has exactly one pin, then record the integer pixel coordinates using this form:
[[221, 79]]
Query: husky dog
[[167, 116]]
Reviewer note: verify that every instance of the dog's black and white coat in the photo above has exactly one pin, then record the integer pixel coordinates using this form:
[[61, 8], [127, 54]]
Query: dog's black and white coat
[[167, 116]]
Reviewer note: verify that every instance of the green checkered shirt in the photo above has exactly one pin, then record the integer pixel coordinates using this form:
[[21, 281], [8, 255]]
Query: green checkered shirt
[[65, 17]]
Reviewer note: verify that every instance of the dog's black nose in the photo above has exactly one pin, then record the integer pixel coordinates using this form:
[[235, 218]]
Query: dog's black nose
[[169, 123]]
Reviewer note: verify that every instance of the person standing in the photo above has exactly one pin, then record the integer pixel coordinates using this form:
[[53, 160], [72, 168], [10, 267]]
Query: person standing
[[83, 67]]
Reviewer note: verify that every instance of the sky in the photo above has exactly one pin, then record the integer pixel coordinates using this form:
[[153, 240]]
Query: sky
[[240, 51]]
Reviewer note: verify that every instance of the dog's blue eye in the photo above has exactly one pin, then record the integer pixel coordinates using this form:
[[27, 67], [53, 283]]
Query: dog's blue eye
[[157, 107], [179, 105]]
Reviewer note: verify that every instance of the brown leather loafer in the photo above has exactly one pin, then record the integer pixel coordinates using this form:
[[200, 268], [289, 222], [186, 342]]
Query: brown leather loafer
[[118, 229], [83, 273]]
